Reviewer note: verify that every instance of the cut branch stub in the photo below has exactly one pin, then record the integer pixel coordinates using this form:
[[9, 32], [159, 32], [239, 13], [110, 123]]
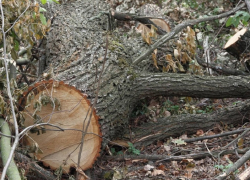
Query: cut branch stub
[[66, 107], [238, 44]]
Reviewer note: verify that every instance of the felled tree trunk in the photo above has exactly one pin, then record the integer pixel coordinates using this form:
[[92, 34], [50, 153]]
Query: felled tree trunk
[[76, 51]]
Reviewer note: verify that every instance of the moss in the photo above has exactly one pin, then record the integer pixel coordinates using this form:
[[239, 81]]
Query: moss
[[131, 74], [115, 46], [122, 62]]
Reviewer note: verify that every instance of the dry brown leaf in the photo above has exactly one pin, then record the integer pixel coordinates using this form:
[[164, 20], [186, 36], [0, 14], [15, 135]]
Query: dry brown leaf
[[166, 114], [81, 175], [152, 32], [155, 58], [139, 160], [210, 133], [157, 172], [167, 148], [240, 143], [184, 136], [190, 31], [199, 132], [162, 24], [171, 63], [148, 167], [162, 167], [176, 54], [180, 67], [174, 164], [121, 143]]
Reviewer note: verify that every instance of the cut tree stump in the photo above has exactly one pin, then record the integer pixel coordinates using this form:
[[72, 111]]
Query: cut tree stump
[[64, 106], [239, 46]]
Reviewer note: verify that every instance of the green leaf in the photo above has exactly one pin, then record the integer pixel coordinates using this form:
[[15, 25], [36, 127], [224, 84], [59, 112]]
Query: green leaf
[[13, 54], [246, 18], [56, 1], [43, 1], [229, 21], [132, 149], [236, 22], [42, 9], [238, 13], [112, 150], [178, 141], [136, 151], [43, 19], [16, 45]]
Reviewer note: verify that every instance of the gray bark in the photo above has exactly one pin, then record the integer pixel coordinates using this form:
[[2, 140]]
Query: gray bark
[[75, 49]]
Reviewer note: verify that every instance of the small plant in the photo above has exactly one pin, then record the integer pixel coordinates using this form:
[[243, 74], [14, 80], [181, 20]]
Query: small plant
[[169, 105], [240, 16], [132, 149], [224, 168], [114, 152]]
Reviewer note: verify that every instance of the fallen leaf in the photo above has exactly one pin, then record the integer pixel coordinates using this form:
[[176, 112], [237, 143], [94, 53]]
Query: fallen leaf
[[199, 132], [178, 142], [240, 143], [174, 164], [148, 167], [157, 172], [117, 175], [167, 148], [161, 167]]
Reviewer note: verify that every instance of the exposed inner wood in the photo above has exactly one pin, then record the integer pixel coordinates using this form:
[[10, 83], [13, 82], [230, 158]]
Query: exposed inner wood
[[61, 148], [235, 38]]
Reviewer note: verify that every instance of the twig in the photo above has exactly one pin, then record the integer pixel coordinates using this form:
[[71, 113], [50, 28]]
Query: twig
[[10, 98], [207, 54], [160, 158], [181, 26], [213, 136]]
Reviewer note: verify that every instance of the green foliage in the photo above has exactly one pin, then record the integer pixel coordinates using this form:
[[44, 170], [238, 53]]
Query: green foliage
[[108, 175], [114, 152], [224, 168], [133, 150], [236, 102], [141, 109], [208, 109], [171, 107], [178, 142], [49, 1], [240, 16]]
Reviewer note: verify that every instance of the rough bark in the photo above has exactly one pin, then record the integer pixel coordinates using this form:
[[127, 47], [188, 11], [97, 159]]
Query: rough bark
[[189, 123], [75, 49]]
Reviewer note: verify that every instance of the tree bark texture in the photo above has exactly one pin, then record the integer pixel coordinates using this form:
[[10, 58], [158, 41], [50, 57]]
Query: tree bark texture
[[75, 50], [147, 133]]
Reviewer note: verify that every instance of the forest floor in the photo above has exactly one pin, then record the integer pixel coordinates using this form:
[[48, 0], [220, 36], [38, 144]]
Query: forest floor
[[199, 159]]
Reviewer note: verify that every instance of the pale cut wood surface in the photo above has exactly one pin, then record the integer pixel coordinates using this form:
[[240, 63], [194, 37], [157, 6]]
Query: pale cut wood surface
[[235, 38], [61, 147]]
